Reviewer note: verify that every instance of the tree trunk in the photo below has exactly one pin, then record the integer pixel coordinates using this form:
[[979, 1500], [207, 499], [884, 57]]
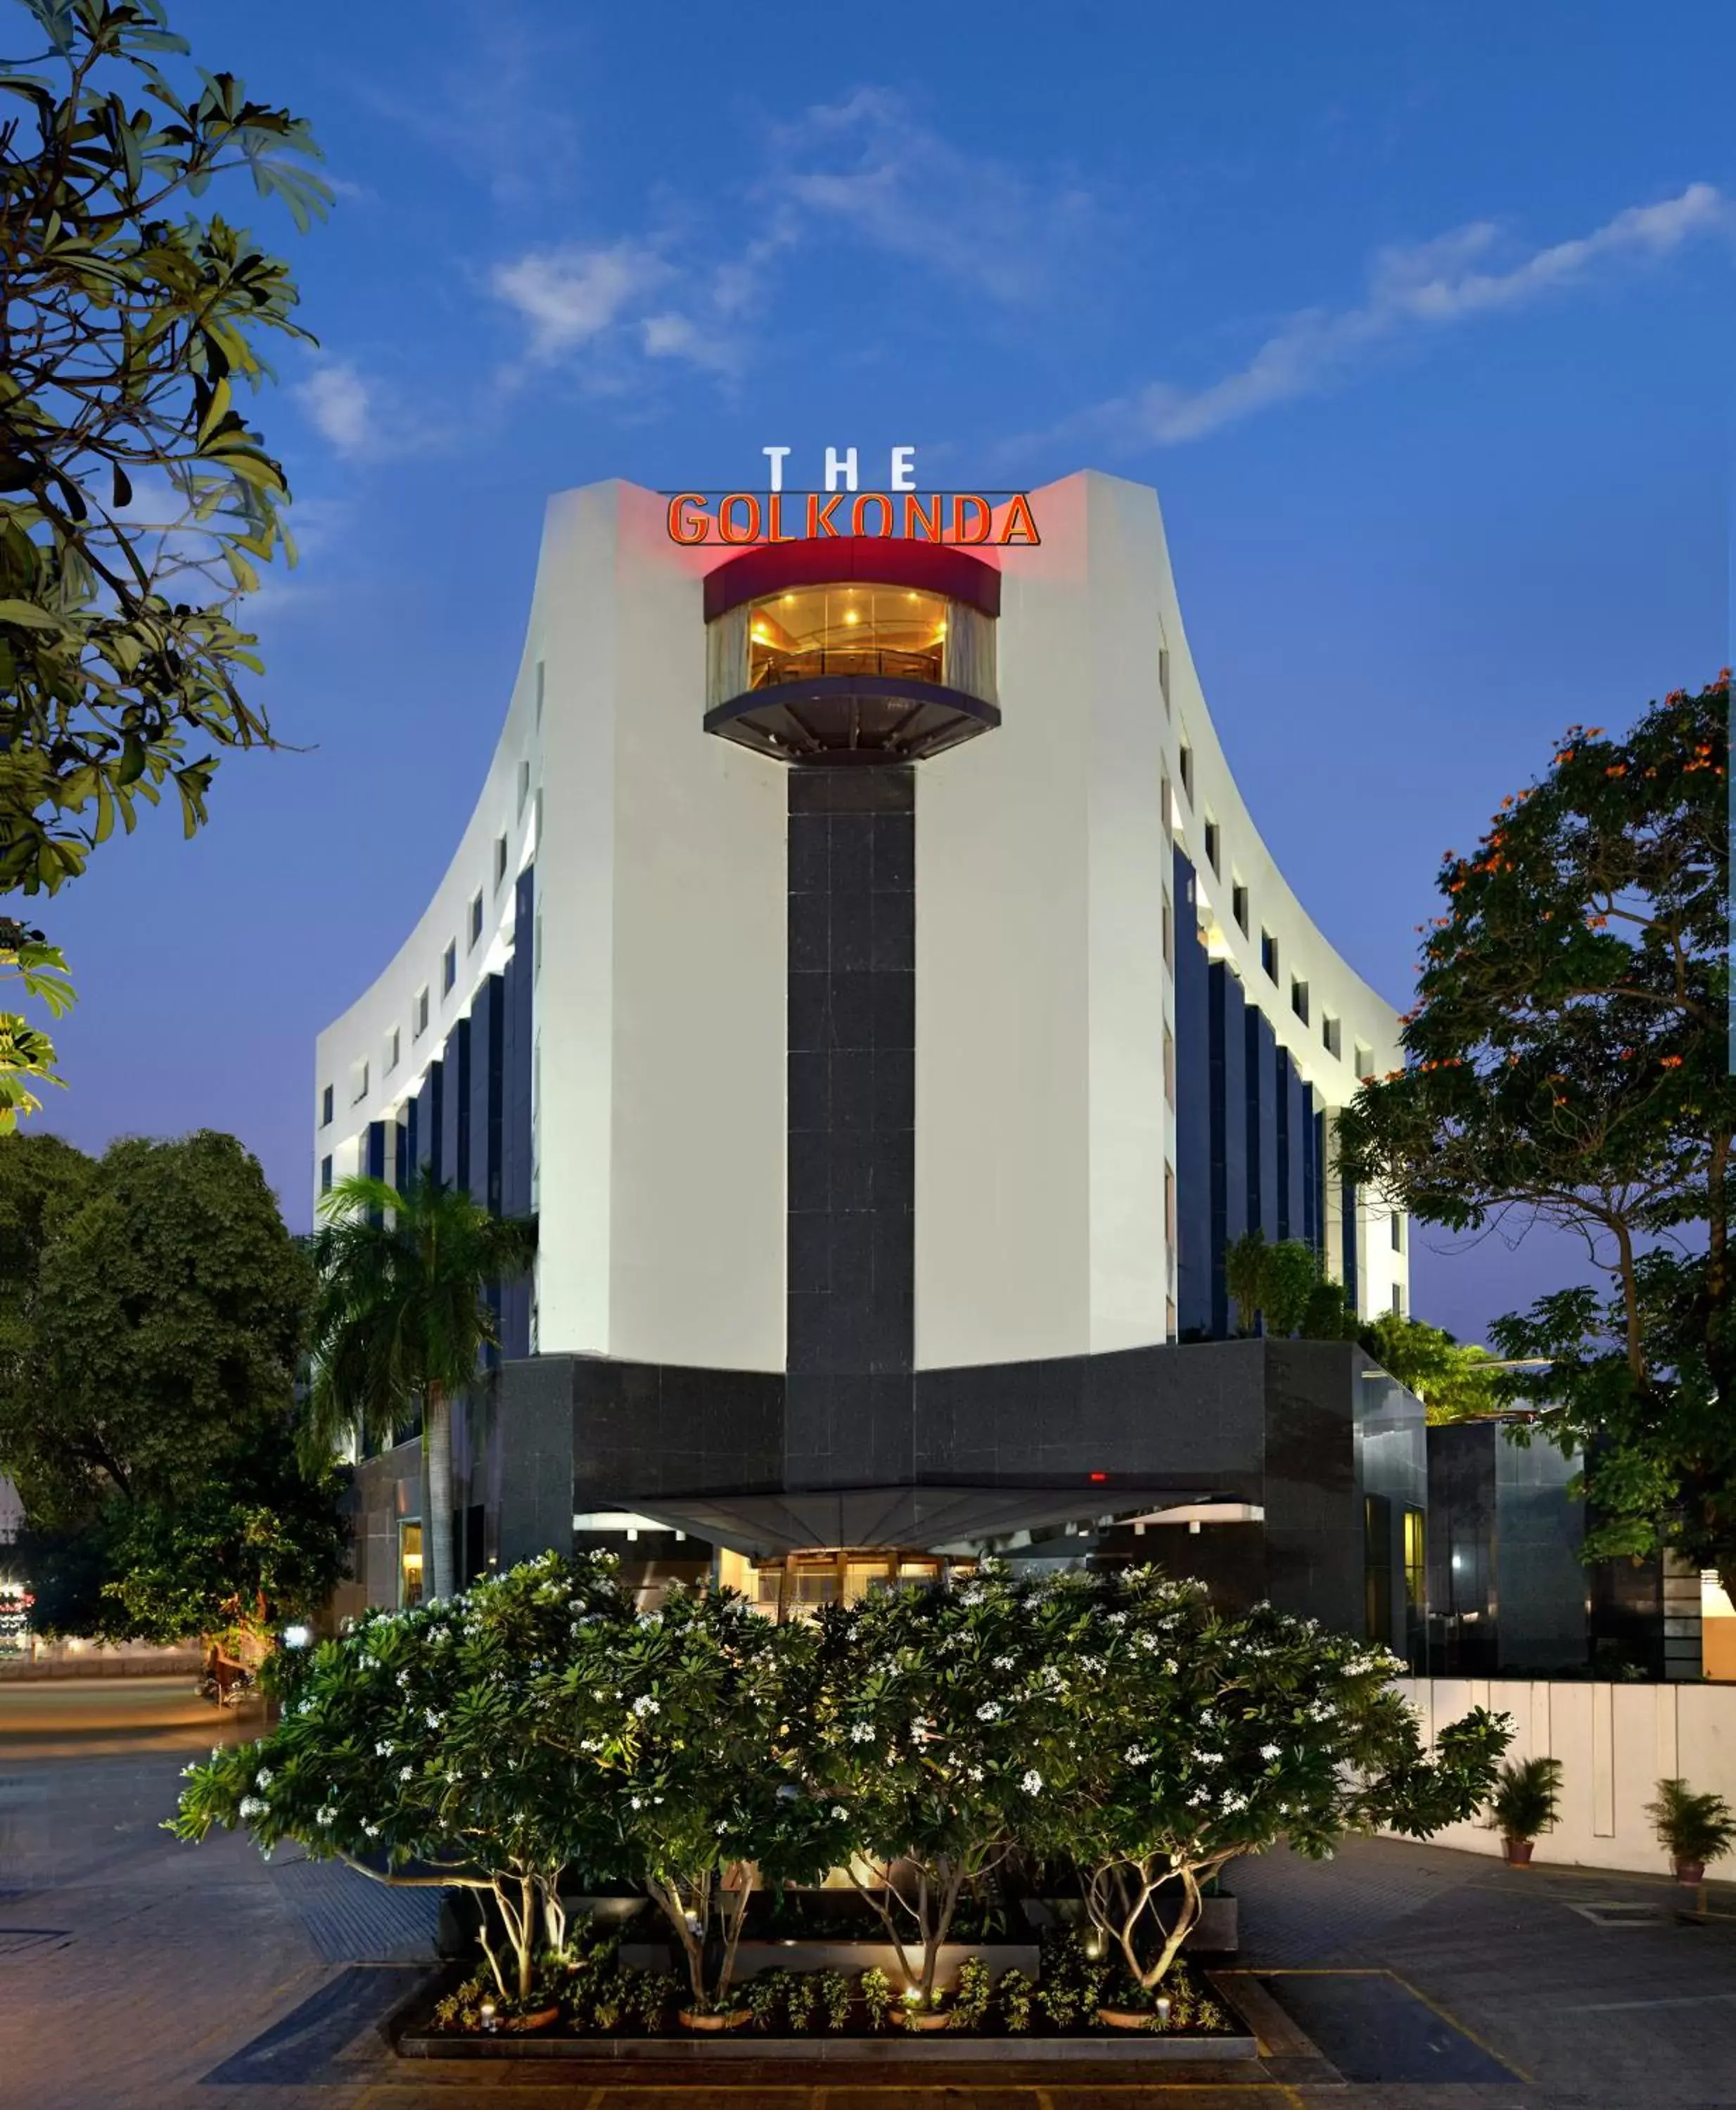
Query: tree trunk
[[437, 1526]]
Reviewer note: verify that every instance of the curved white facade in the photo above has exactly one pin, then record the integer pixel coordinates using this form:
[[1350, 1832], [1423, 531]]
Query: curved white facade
[[1046, 1062]]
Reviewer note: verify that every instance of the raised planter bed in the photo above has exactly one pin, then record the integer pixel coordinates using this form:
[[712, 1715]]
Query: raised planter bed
[[816, 1952]]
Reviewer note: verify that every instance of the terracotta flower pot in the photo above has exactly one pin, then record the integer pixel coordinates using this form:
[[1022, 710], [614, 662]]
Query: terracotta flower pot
[[1519, 1853], [542, 2019], [1690, 1872], [735, 2019], [923, 2018], [1125, 2018]]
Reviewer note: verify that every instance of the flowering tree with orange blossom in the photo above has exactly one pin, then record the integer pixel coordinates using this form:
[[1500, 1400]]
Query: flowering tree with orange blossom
[[1569, 1061]]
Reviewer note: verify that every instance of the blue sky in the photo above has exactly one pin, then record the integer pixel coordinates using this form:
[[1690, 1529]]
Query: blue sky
[[1418, 318]]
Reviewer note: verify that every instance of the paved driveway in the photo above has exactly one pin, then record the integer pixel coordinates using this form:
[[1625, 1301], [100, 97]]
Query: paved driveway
[[132, 1969]]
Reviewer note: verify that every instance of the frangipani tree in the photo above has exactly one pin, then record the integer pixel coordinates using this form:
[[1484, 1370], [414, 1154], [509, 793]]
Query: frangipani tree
[[941, 1724], [431, 1747], [1197, 1738], [691, 1721]]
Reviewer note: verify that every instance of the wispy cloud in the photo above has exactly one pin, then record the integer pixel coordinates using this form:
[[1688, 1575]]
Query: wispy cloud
[[870, 163], [359, 419], [1429, 286], [866, 166]]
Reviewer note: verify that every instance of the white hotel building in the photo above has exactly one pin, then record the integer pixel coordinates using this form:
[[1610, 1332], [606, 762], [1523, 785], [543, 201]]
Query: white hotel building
[[861, 959]]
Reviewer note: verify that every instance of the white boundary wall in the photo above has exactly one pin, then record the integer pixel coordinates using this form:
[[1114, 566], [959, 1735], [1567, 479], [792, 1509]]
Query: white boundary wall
[[1616, 1742]]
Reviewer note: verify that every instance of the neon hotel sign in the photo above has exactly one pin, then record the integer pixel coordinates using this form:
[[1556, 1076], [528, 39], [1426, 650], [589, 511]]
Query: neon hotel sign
[[777, 515]]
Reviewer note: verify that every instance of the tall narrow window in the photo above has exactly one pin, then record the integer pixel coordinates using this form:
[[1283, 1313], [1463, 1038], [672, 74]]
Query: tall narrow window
[[1211, 845], [1187, 771], [326, 1175], [1269, 953], [419, 1016], [361, 1083], [1300, 998], [1238, 907], [1398, 1301], [1328, 1033], [326, 1108], [394, 1049], [1365, 1061], [1169, 1066], [1169, 934], [1398, 1230], [500, 859], [1163, 674], [449, 969], [524, 787], [476, 920]]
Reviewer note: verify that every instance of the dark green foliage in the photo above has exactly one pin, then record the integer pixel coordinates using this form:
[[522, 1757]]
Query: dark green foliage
[[1284, 1287], [401, 1322], [1691, 1827], [1012, 1997], [1527, 1795], [152, 1307], [1568, 1061], [875, 1989], [135, 502], [1454, 1381], [971, 1994], [835, 1999]]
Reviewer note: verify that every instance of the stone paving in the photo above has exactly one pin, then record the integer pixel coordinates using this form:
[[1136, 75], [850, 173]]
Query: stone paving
[[132, 1969]]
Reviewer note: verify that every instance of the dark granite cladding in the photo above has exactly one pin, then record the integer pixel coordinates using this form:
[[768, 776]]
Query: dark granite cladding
[[1193, 1128], [1262, 1123], [1304, 1429], [851, 1126], [1348, 1260], [487, 1071], [1321, 1154]]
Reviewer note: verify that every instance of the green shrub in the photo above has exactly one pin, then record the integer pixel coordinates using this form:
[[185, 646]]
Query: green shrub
[[1690, 1827], [875, 1990], [799, 2001], [1526, 1799], [764, 1995], [1013, 1997], [835, 1999], [970, 2006]]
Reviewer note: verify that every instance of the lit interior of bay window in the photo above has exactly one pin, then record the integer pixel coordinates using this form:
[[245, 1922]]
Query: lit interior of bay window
[[816, 631]]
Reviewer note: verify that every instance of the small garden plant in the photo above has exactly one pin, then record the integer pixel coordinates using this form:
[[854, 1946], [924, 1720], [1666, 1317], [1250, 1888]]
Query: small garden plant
[[1526, 1799], [1692, 1829]]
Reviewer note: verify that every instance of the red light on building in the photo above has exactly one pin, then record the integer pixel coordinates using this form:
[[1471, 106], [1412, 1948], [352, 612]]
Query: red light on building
[[1096, 1477]]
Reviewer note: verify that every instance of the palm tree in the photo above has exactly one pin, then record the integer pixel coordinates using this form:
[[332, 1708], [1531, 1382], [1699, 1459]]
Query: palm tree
[[400, 1321]]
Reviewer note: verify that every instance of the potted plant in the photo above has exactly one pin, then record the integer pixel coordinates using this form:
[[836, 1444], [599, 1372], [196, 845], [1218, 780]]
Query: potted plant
[[1526, 1801], [1693, 1829]]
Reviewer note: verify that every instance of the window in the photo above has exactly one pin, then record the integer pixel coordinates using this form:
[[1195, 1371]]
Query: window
[[1328, 1033], [1415, 1560], [394, 1048], [1398, 1230], [418, 1014], [1169, 934], [524, 787], [1238, 907], [1187, 771], [1364, 1065], [326, 1175], [326, 1108], [449, 969], [1300, 998], [409, 1564], [1211, 845], [817, 631], [1398, 1301], [1169, 1066], [476, 920], [1166, 804], [1269, 953], [500, 858], [539, 695], [1163, 674], [361, 1085]]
